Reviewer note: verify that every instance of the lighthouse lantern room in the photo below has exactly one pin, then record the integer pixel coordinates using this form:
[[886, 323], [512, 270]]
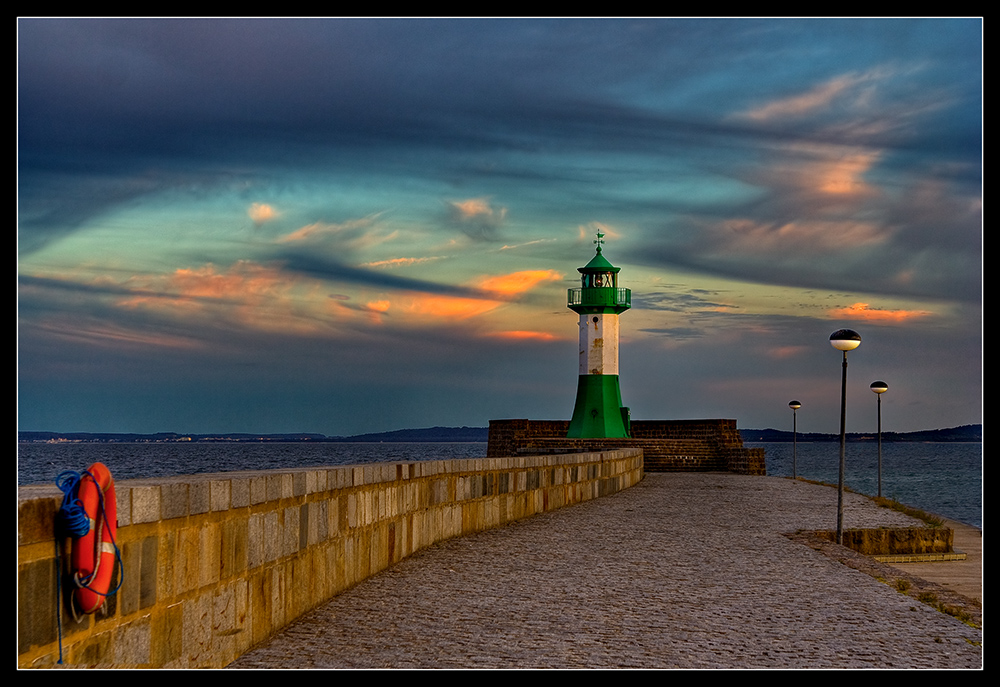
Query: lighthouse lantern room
[[599, 411]]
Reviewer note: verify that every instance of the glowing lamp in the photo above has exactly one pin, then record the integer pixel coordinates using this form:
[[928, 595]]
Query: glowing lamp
[[845, 340]]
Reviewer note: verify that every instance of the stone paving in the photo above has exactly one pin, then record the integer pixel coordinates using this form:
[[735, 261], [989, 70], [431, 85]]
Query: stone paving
[[680, 571]]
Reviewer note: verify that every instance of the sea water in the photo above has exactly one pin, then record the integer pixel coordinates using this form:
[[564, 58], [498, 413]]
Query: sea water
[[942, 478], [39, 463]]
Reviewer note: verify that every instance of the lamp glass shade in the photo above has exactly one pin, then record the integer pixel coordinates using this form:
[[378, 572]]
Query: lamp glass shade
[[794, 405], [879, 387], [845, 339]]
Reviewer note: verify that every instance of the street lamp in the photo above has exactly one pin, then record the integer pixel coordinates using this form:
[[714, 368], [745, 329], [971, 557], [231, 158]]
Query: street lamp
[[879, 388], [794, 405], [843, 340]]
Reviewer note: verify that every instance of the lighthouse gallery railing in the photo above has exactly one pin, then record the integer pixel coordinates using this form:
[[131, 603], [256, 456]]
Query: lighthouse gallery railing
[[599, 296]]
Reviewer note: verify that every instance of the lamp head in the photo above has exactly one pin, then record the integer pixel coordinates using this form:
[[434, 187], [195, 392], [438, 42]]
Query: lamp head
[[845, 340], [794, 405], [879, 387]]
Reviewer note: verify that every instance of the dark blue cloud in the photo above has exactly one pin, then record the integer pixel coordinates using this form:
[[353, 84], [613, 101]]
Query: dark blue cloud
[[303, 262]]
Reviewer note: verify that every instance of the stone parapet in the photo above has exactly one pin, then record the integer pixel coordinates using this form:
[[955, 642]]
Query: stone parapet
[[215, 564], [667, 445]]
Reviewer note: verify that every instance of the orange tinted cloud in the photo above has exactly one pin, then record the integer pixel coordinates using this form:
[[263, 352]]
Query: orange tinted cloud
[[832, 172], [450, 306], [844, 175], [474, 208], [248, 294], [243, 282], [782, 352], [507, 285], [522, 335], [861, 311], [261, 212], [378, 306], [503, 287]]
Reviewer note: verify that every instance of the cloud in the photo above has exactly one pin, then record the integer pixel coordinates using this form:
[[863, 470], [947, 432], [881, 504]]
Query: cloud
[[447, 307], [516, 283], [351, 235], [477, 218], [261, 213], [320, 267], [819, 97], [400, 262], [676, 333], [411, 301], [522, 335], [526, 243], [796, 238], [475, 207], [589, 231], [486, 294], [117, 336], [246, 295], [378, 306], [812, 170], [783, 352], [862, 311]]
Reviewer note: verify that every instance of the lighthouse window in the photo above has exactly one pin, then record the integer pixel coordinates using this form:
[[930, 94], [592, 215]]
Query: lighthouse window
[[599, 280]]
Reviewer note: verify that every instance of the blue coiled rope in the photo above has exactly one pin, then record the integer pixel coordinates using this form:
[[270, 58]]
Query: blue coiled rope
[[72, 517]]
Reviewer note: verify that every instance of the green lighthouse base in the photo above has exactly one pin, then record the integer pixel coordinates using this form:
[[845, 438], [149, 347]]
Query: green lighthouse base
[[599, 412]]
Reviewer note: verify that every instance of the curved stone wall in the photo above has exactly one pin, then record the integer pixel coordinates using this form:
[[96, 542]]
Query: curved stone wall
[[214, 564]]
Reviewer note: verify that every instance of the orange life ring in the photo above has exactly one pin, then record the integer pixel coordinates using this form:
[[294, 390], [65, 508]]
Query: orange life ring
[[93, 559]]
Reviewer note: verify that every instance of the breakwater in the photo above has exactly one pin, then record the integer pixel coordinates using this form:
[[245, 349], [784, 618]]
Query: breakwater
[[682, 571], [214, 564], [667, 445]]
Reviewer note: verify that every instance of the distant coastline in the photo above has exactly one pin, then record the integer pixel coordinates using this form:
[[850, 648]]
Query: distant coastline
[[965, 433]]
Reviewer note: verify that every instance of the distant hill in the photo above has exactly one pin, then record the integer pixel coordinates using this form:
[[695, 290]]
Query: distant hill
[[431, 434], [967, 433], [436, 434]]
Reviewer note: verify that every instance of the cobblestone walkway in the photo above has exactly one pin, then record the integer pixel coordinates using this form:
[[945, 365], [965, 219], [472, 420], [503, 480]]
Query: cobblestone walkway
[[680, 571]]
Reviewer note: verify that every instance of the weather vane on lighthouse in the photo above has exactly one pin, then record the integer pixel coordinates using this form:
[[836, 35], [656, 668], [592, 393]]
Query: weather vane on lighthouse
[[599, 411]]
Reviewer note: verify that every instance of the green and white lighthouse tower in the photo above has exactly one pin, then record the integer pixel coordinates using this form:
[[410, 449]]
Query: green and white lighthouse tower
[[599, 411]]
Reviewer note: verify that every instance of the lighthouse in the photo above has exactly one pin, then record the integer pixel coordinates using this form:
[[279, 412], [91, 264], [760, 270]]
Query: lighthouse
[[599, 411]]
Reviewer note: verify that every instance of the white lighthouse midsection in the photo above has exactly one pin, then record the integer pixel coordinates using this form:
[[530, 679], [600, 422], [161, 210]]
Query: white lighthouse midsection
[[599, 344]]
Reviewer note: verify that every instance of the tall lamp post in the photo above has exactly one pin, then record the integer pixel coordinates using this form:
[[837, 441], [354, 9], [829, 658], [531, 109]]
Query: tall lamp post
[[879, 388], [843, 340], [794, 405]]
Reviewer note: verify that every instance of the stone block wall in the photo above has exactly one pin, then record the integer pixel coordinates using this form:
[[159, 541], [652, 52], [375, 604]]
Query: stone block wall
[[667, 445], [215, 564], [896, 540]]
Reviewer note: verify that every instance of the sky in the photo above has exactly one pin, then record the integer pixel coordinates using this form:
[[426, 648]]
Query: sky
[[357, 225]]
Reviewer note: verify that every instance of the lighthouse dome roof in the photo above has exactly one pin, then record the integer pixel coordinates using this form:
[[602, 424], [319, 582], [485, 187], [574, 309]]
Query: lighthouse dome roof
[[599, 263]]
